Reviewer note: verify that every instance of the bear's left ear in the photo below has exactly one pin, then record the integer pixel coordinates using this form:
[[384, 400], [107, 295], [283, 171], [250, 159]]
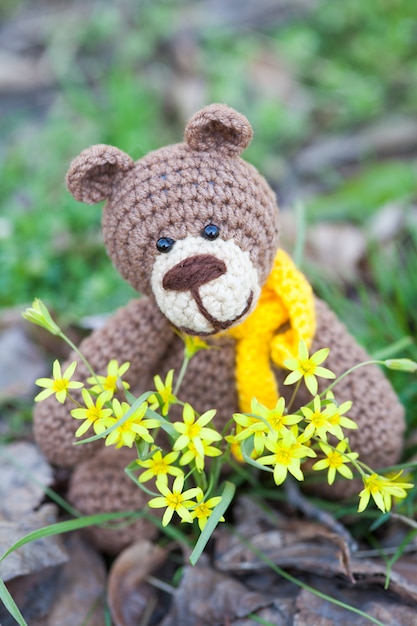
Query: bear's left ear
[[218, 128], [92, 174]]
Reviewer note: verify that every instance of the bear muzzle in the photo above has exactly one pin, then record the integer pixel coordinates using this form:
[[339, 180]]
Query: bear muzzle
[[204, 287]]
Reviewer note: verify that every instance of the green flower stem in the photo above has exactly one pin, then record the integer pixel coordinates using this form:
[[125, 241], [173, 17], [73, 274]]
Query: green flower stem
[[181, 374], [244, 476], [294, 394], [82, 357], [227, 427], [133, 477], [275, 568], [349, 371], [74, 401]]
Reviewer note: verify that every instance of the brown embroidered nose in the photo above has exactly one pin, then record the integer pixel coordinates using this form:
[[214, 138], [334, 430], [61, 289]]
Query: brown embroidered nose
[[193, 272]]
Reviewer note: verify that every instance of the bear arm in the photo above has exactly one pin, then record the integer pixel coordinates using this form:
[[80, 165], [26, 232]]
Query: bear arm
[[137, 333], [376, 408]]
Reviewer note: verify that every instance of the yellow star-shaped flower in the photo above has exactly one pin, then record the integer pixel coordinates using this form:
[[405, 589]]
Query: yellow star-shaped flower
[[308, 368], [60, 384]]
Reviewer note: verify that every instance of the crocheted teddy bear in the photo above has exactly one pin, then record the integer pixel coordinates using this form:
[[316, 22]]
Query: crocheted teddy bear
[[194, 228]]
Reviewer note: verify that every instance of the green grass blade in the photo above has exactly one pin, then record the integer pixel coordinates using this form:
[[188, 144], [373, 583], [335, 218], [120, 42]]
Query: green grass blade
[[398, 553], [302, 584], [11, 605], [67, 526], [213, 520], [171, 531], [260, 620]]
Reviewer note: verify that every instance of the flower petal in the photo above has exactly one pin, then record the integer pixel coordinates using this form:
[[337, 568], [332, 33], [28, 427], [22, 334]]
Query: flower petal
[[293, 377], [311, 383], [280, 474]]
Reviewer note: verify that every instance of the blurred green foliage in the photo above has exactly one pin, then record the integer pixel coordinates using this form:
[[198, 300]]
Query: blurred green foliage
[[374, 186]]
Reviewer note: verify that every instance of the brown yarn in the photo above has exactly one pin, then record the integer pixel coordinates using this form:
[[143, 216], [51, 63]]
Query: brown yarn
[[194, 272], [114, 491], [175, 192], [138, 333], [92, 175], [218, 128]]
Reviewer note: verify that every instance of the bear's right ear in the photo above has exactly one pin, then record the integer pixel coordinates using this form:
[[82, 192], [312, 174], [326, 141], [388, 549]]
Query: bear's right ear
[[92, 174]]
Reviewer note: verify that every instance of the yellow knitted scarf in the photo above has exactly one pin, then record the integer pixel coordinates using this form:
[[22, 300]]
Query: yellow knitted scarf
[[285, 314]]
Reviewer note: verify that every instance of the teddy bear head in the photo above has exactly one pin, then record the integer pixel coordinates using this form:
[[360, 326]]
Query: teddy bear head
[[191, 224]]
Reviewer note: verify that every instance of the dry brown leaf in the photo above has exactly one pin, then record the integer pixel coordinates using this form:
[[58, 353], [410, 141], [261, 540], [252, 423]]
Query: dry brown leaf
[[129, 596], [24, 471], [36, 555], [314, 611], [403, 578], [209, 598], [290, 543], [21, 363], [68, 595], [314, 550]]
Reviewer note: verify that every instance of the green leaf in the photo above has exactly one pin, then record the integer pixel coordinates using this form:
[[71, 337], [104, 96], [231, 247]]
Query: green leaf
[[11, 605], [213, 520], [165, 424], [246, 452], [69, 525]]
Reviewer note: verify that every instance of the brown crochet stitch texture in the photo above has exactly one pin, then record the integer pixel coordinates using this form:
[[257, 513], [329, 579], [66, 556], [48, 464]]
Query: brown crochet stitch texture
[[175, 192]]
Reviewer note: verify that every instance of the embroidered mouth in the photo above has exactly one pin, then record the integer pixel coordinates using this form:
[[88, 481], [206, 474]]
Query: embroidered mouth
[[218, 325]]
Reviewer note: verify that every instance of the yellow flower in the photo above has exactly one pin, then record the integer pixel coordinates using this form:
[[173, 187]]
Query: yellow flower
[[273, 420], [134, 426], [192, 454], [164, 396], [111, 381], [204, 509], [382, 490], [192, 345], [286, 457], [59, 385], [308, 367], [159, 467], [176, 501], [318, 420], [337, 419], [93, 413], [335, 461], [39, 314], [194, 431]]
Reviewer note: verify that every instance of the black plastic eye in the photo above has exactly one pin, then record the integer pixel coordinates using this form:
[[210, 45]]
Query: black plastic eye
[[211, 232], [165, 244]]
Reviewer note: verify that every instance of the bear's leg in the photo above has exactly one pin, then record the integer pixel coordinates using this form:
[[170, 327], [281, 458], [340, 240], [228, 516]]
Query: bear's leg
[[376, 409], [100, 485]]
